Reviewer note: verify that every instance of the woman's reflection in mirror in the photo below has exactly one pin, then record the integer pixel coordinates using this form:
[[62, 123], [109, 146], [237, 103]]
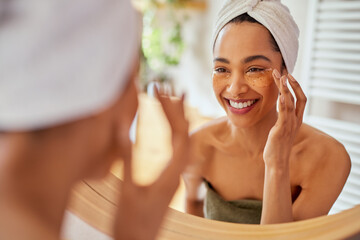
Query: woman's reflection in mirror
[[261, 164]]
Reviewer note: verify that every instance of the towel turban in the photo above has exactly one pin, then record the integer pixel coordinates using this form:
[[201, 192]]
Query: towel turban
[[273, 15], [63, 60]]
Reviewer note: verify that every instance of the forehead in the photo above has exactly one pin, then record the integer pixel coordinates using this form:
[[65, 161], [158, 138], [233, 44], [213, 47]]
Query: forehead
[[242, 40]]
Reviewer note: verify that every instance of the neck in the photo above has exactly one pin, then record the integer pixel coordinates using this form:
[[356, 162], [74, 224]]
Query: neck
[[254, 138], [35, 179]]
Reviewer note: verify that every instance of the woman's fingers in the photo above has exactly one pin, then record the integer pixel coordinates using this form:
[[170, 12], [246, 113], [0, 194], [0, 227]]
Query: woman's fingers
[[290, 101], [165, 102], [282, 80], [286, 96], [173, 108], [160, 95], [300, 97], [276, 77], [282, 103], [174, 111]]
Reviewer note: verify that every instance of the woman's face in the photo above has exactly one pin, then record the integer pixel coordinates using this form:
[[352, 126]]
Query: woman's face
[[111, 130], [242, 74]]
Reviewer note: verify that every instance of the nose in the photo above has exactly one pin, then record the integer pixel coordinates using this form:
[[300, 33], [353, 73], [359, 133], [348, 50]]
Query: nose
[[238, 85]]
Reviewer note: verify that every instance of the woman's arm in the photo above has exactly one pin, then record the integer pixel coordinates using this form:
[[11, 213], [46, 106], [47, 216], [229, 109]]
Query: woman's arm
[[194, 202], [322, 182], [141, 209], [193, 177], [277, 203]]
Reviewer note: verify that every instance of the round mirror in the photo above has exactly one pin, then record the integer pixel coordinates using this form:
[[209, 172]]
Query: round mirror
[[94, 202]]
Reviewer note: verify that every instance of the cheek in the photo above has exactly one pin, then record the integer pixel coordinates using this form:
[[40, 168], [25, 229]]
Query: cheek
[[219, 84], [262, 79], [270, 94]]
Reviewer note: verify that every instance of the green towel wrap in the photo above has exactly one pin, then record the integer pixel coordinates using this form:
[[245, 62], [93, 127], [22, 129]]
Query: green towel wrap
[[246, 211]]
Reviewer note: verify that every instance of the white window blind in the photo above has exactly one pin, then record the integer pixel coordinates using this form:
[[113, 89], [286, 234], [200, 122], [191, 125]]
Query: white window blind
[[332, 81]]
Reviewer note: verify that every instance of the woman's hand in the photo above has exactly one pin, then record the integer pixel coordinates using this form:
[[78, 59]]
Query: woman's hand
[[277, 200], [142, 208], [281, 136]]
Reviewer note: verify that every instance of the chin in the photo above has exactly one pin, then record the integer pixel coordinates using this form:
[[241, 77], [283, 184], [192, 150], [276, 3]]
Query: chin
[[241, 123]]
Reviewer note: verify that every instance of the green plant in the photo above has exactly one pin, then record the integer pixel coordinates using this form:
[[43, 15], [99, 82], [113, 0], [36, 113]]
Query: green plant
[[162, 42]]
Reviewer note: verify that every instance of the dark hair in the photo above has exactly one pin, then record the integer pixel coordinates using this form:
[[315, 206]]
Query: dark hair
[[247, 18]]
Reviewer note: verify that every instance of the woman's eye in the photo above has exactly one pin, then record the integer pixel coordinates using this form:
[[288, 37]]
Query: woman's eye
[[220, 70], [255, 70]]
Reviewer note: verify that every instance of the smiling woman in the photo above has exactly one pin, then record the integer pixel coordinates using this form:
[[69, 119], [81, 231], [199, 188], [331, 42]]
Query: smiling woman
[[261, 165], [66, 108], [253, 63]]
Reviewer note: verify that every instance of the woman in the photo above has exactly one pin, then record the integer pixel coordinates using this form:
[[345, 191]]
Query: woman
[[68, 97], [260, 165]]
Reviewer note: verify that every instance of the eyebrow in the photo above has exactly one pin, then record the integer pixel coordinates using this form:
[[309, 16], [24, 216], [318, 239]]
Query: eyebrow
[[224, 60], [255, 57], [246, 60]]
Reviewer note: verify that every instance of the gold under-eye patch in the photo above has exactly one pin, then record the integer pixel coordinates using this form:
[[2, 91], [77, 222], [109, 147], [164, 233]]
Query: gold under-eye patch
[[262, 78], [259, 78]]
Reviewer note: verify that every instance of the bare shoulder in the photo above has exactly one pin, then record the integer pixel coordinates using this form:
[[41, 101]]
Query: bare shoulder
[[205, 135], [202, 150], [202, 141], [326, 154], [209, 129], [324, 143]]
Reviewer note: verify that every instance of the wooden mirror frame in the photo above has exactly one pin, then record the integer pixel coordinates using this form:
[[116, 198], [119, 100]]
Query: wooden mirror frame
[[94, 202]]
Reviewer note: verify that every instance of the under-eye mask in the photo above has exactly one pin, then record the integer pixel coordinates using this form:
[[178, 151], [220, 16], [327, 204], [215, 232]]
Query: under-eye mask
[[259, 78]]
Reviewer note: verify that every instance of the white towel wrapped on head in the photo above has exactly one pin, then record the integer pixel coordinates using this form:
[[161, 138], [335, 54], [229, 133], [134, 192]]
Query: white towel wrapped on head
[[62, 60], [273, 15]]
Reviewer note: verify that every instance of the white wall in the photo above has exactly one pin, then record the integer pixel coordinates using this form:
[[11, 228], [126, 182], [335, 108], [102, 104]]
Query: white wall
[[194, 73], [193, 76]]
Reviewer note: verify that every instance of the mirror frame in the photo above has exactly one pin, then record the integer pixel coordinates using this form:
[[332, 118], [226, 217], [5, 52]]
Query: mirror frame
[[95, 202]]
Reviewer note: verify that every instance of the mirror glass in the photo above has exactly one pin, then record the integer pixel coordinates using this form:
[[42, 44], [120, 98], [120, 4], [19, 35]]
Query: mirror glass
[[177, 53]]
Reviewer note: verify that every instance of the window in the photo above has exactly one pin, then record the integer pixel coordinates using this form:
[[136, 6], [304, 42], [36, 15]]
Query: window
[[331, 80]]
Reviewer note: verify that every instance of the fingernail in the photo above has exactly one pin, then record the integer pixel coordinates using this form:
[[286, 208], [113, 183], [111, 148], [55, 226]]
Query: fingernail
[[282, 99], [276, 73], [284, 81]]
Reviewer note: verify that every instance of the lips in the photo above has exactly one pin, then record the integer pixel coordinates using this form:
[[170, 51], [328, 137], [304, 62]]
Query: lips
[[241, 106]]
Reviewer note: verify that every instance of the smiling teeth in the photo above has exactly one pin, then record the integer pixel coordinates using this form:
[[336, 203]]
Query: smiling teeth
[[240, 105]]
